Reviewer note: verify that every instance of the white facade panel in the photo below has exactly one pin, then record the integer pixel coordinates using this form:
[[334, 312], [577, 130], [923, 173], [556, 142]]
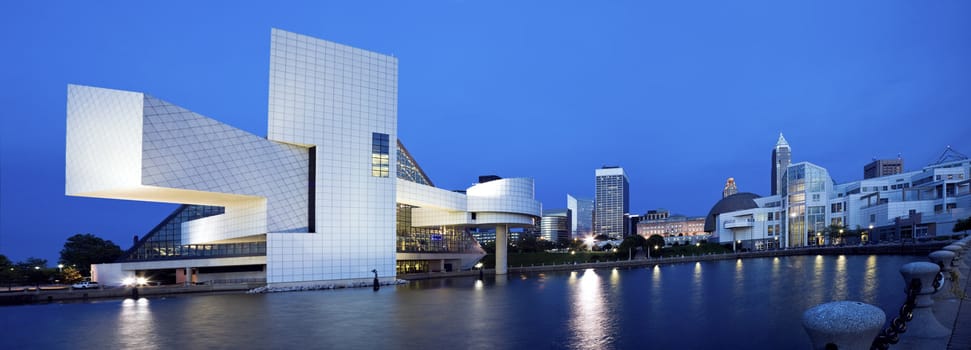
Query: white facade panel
[[104, 140], [335, 98]]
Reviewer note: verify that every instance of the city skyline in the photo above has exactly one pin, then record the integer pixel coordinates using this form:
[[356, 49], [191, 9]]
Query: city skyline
[[907, 67]]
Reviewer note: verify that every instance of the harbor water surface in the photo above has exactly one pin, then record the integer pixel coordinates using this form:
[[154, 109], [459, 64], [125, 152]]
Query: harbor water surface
[[733, 304]]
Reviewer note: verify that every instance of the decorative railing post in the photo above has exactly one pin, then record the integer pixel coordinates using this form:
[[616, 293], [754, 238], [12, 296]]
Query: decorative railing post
[[924, 324], [943, 259], [844, 325]]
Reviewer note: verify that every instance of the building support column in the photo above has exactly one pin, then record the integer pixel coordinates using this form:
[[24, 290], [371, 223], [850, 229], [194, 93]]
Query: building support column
[[502, 245]]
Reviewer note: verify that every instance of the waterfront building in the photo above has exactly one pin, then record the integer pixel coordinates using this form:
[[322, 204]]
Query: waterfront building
[[612, 202], [730, 188], [324, 197], [657, 214], [676, 229], [812, 209], [781, 158], [883, 167], [582, 216], [555, 225]]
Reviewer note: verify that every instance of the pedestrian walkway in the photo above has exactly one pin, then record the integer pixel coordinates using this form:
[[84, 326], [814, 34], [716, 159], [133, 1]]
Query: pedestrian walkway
[[961, 334]]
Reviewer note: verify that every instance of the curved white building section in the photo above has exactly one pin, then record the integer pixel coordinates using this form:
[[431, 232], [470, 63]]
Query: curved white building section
[[512, 196], [503, 201]]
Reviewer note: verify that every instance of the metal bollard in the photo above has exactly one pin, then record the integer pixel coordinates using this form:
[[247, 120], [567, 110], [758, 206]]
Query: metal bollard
[[943, 259], [958, 261], [924, 324], [844, 325]]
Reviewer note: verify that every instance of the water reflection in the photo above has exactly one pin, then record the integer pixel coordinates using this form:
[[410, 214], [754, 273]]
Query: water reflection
[[839, 280], [136, 326], [870, 280], [697, 288], [656, 293], [818, 281], [739, 279], [589, 321], [776, 273]]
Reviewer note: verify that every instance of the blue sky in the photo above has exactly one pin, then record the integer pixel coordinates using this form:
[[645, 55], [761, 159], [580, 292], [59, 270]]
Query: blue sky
[[683, 94]]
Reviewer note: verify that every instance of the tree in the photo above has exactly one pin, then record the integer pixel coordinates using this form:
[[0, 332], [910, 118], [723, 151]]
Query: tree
[[82, 250], [629, 245], [33, 271], [654, 240], [962, 225], [8, 272], [71, 275]]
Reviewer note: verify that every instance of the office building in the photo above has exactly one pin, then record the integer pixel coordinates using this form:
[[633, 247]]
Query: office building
[[555, 225], [611, 202], [582, 216], [883, 167]]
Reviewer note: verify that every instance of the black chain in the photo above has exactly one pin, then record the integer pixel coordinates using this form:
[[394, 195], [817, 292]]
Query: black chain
[[898, 325]]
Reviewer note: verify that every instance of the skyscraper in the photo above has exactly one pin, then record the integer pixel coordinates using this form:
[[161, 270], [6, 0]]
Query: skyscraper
[[781, 158], [582, 220], [730, 188], [611, 202]]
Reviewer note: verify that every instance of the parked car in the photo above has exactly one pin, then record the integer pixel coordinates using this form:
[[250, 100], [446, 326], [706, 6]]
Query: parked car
[[85, 285]]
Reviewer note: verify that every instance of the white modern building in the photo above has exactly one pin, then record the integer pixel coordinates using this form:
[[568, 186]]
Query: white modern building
[[812, 209], [330, 194]]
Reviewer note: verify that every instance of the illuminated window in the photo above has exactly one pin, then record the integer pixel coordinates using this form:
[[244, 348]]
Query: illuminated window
[[380, 158]]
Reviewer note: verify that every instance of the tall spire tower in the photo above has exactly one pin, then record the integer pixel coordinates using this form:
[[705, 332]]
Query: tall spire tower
[[781, 158], [730, 188]]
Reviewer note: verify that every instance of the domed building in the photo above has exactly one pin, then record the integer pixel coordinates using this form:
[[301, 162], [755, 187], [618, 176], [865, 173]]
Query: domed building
[[745, 220], [735, 202]]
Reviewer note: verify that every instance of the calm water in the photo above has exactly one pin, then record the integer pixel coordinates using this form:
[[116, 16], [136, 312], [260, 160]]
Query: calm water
[[740, 304]]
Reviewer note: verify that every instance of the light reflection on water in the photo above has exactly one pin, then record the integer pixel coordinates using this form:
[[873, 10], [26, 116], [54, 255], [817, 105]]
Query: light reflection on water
[[136, 326], [589, 321], [719, 304], [840, 279], [871, 282], [697, 288]]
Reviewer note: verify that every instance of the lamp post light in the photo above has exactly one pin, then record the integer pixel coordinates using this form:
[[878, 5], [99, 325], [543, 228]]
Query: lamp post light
[[60, 268], [479, 266]]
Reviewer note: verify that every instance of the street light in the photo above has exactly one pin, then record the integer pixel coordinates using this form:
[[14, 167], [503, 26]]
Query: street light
[[479, 266], [60, 268]]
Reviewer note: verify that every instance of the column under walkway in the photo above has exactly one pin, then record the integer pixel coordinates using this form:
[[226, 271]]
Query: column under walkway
[[502, 245]]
